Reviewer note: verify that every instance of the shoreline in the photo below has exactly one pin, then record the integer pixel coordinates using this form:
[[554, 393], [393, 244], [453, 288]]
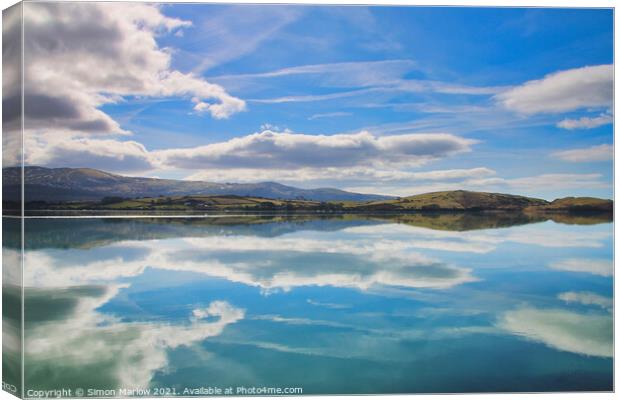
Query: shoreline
[[299, 213]]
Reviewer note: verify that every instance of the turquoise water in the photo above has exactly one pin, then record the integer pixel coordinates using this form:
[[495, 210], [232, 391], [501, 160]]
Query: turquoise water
[[335, 305]]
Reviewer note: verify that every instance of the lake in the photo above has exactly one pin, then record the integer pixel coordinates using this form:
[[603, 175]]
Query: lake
[[343, 304]]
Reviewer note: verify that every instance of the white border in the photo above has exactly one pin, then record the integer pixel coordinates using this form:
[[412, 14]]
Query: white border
[[471, 3]]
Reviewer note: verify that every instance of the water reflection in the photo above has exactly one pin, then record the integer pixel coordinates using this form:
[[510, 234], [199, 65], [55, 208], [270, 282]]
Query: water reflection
[[346, 305], [66, 334], [565, 330]]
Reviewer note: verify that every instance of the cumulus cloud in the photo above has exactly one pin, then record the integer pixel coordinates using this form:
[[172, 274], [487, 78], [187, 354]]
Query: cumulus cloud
[[603, 152], [587, 334], [80, 56], [587, 265], [285, 150], [11, 86], [586, 122], [266, 155], [56, 150], [568, 90]]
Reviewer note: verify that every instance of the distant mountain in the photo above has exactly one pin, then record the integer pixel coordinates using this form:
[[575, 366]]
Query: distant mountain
[[81, 184]]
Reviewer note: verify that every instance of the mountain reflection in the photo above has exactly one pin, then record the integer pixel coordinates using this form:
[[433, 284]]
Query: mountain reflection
[[92, 232]]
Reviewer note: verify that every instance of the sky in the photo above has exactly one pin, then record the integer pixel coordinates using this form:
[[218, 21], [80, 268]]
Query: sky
[[388, 100]]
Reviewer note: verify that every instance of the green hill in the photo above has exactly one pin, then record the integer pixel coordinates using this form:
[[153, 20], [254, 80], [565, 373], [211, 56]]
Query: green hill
[[458, 200], [455, 202], [579, 204]]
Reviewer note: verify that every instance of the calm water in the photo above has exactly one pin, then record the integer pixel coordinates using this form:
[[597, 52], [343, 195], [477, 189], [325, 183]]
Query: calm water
[[451, 303]]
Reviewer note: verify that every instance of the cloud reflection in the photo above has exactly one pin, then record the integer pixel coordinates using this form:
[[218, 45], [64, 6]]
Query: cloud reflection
[[588, 265], [589, 334], [267, 263], [127, 353]]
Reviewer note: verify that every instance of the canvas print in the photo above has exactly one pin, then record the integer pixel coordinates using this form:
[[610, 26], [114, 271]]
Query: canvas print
[[237, 199]]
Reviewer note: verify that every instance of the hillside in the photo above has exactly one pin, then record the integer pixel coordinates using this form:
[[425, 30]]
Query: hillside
[[85, 184], [458, 200], [446, 206], [579, 205], [91, 189]]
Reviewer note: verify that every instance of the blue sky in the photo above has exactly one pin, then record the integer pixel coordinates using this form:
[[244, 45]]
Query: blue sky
[[396, 100]]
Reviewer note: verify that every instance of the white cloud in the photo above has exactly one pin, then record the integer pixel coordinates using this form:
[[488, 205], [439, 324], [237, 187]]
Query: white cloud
[[530, 183], [568, 90], [556, 181], [285, 150], [318, 97], [61, 150], [587, 298], [603, 152], [11, 86], [329, 115], [228, 33], [344, 74], [587, 334], [391, 87], [267, 155], [364, 77], [586, 122], [80, 56], [587, 265], [350, 174], [451, 174]]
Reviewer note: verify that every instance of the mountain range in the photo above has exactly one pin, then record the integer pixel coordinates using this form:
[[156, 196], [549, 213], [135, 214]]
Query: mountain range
[[86, 184]]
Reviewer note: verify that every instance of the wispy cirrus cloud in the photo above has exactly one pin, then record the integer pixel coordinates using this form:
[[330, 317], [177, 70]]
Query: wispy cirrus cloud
[[393, 88], [557, 180], [341, 74], [329, 115], [226, 34], [361, 78], [603, 152], [538, 183]]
